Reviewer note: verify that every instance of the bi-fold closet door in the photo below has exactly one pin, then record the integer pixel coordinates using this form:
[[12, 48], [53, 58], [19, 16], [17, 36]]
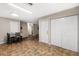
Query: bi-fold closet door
[[56, 29], [64, 32], [44, 30], [61, 32]]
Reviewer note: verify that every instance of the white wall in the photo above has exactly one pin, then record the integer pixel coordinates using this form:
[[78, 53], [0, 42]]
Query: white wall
[[4, 28], [14, 26], [7, 26]]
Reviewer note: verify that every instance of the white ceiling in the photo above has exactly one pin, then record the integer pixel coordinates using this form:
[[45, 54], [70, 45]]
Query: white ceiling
[[38, 10]]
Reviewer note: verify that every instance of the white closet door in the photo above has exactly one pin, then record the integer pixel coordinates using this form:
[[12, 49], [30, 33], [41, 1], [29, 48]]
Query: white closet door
[[69, 33], [56, 32], [43, 31]]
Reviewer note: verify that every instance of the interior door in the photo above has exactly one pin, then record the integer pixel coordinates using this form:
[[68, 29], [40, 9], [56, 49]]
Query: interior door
[[43, 31], [24, 30]]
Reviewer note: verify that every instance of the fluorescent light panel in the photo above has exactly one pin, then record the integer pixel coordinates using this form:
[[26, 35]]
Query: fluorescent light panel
[[13, 14], [22, 9]]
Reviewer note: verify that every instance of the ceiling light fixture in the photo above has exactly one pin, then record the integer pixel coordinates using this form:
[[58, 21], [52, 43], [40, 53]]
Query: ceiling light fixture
[[22, 9], [13, 14]]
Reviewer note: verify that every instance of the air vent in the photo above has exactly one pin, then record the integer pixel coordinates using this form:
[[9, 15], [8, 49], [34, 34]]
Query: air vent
[[30, 4]]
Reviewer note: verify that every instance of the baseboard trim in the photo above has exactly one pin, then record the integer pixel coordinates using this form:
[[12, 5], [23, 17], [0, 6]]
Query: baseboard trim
[[24, 37], [2, 42]]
